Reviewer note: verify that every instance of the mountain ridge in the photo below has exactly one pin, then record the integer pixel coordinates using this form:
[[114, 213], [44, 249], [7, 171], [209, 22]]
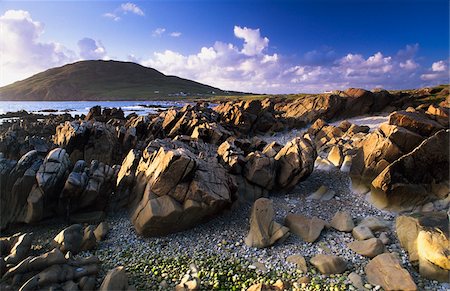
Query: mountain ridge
[[104, 80]]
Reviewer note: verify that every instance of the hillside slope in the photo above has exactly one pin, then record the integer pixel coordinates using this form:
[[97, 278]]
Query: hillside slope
[[103, 80]]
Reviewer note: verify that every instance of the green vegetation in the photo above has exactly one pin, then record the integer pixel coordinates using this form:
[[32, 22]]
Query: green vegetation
[[106, 80], [217, 273]]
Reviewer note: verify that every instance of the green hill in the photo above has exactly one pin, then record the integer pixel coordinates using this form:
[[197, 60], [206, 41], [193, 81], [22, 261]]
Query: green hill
[[104, 80]]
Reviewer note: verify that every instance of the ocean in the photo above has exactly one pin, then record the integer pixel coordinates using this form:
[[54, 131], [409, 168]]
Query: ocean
[[82, 107]]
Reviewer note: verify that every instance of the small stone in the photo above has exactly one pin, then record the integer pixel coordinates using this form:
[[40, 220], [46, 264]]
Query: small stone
[[328, 264], [362, 232], [368, 248], [374, 223], [356, 280], [384, 238], [342, 221], [299, 261], [367, 286]]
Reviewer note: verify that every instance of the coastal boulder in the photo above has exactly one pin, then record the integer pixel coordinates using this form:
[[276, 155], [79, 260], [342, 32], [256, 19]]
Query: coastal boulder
[[385, 270], [409, 179], [425, 236], [295, 162], [177, 189], [88, 140], [264, 231]]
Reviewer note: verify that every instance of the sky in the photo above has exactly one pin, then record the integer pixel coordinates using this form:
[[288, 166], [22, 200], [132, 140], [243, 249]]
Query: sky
[[278, 46]]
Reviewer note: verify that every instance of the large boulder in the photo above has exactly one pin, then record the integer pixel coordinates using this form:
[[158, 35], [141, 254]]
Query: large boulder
[[425, 236], [385, 270], [264, 231], [175, 189], [115, 280], [415, 121], [50, 178], [409, 179], [17, 181], [295, 162], [260, 170], [89, 141]]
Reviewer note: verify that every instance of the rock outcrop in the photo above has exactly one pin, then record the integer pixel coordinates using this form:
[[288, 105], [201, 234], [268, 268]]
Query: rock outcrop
[[89, 140]]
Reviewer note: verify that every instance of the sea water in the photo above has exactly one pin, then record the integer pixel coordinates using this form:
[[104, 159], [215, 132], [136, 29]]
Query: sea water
[[82, 107]]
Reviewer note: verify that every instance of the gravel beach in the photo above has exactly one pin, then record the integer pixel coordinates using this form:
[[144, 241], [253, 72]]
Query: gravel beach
[[217, 249]]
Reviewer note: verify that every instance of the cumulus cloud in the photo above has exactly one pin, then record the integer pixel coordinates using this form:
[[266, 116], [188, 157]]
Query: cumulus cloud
[[175, 34], [438, 73], [254, 44], [90, 49], [22, 51], [124, 8], [249, 67], [158, 31]]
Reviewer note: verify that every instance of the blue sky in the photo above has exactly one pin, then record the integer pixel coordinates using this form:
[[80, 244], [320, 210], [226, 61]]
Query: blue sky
[[254, 46]]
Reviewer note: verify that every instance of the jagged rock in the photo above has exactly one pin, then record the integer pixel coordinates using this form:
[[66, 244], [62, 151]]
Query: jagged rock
[[89, 241], [116, 279], [425, 236], [328, 264], [70, 239], [434, 247], [231, 156], [264, 231], [248, 191], [50, 178], [416, 122], [260, 170], [308, 229], [369, 248], [342, 221], [295, 162], [88, 141], [385, 270], [335, 156], [101, 231], [20, 249], [408, 180], [177, 189], [17, 180], [31, 264]]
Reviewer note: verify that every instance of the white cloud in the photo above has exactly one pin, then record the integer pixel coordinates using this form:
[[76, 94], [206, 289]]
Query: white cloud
[[131, 7], [409, 65], [175, 34], [159, 31], [90, 49], [438, 73], [440, 66], [254, 44], [22, 53], [124, 8], [112, 16]]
